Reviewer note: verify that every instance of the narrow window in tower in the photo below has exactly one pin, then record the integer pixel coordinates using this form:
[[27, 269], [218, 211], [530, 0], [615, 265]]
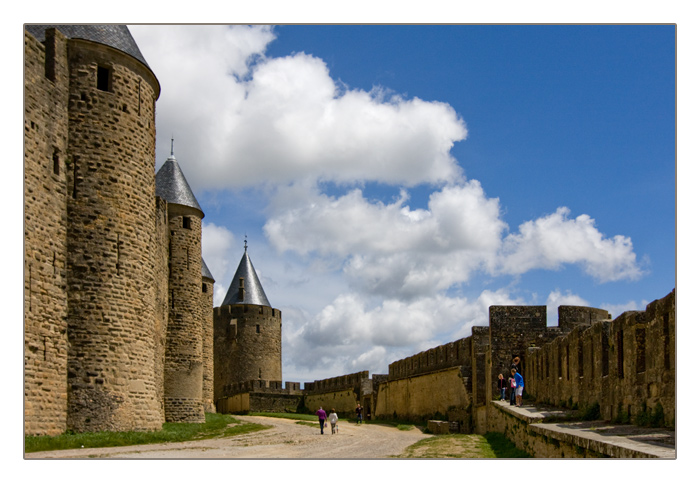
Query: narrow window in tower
[[186, 222], [56, 162], [75, 176], [104, 78], [204, 288], [139, 97], [257, 328]]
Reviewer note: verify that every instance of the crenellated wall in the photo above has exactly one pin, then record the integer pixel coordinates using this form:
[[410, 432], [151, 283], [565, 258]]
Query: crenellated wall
[[627, 366]]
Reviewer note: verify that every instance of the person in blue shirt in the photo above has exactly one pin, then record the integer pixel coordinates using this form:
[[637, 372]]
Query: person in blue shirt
[[519, 386]]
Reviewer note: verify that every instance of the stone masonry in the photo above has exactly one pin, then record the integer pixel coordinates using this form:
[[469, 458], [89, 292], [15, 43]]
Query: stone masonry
[[97, 254]]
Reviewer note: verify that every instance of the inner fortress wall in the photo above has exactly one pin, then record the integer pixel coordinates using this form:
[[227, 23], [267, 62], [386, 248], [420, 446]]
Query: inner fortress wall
[[111, 251], [46, 161]]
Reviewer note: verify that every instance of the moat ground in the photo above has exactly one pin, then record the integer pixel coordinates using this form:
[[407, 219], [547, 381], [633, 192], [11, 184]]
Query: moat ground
[[286, 439], [289, 440]]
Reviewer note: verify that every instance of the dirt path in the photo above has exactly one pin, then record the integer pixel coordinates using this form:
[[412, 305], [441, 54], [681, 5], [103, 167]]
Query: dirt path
[[285, 440]]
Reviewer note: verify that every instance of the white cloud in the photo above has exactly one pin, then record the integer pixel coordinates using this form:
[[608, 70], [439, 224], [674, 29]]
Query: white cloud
[[351, 335], [391, 249], [217, 251], [248, 113], [555, 299], [554, 240]]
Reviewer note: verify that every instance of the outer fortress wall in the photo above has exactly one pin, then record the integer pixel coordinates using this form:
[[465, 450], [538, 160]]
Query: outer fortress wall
[[627, 366], [46, 162]]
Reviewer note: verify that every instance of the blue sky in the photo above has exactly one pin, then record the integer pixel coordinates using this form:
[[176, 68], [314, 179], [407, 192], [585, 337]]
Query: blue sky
[[395, 181]]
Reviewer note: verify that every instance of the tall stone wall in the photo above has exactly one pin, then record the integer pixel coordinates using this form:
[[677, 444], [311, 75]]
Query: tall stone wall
[[184, 366], [341, 393], [111, 251], [247, 345], [457, 353], [422, 396], [45, 302], [627, 366], [207, 302]]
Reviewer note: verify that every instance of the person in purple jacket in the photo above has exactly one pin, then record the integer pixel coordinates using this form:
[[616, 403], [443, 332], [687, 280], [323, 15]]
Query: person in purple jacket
[[321, 417]]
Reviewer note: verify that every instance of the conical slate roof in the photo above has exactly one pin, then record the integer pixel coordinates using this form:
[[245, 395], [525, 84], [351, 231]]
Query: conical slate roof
[[253, 291], [205, 271], [172, 186], [116, 36]]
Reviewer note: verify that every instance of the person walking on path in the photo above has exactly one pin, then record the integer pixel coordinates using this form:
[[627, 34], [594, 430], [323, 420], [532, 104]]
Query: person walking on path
[[358, 411], [511, 384], [333, 419], [519, 386], [321, 417], [502, 386]]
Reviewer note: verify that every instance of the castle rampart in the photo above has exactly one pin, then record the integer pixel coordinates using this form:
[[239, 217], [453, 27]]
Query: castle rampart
[[626, 366]]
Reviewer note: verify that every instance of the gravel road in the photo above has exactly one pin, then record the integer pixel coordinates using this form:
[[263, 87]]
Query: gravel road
[[285, 440]]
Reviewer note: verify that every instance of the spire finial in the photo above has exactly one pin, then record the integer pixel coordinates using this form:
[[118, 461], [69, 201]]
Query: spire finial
[[172, 142], [245, 243]]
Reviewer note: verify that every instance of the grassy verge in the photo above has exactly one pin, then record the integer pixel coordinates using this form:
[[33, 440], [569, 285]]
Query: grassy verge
[[295, 416], [492, 445], [216, 425]]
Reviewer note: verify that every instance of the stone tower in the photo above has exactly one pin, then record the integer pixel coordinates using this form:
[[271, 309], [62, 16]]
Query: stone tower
[[184, 364], [89, 128], [89, 257], [247, 333]]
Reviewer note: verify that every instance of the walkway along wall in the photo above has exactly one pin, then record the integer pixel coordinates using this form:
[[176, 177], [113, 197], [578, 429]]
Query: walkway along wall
[[626, 366]]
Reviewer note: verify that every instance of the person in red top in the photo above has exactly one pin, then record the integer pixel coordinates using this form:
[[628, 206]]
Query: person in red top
[[321, 417]]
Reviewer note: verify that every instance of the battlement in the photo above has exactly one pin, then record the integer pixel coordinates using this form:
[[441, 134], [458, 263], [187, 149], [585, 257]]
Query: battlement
[[261, 386], [337, 383], [239, 310]]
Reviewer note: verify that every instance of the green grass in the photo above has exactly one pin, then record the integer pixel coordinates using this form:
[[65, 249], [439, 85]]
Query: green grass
[[491, 445], [296, 416], [216, 425]]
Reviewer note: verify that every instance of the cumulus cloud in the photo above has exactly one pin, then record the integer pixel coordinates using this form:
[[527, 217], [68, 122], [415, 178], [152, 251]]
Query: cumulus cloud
[[217, 251], [391, 249], [554, 240], [256, 120], [351, 334]]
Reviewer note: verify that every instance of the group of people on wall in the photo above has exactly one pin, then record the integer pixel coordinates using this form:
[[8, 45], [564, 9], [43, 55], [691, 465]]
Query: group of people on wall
[[515, 383]]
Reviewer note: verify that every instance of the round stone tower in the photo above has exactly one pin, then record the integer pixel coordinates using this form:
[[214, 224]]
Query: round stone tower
[[247, 333], [184, 364], [110, 254]]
